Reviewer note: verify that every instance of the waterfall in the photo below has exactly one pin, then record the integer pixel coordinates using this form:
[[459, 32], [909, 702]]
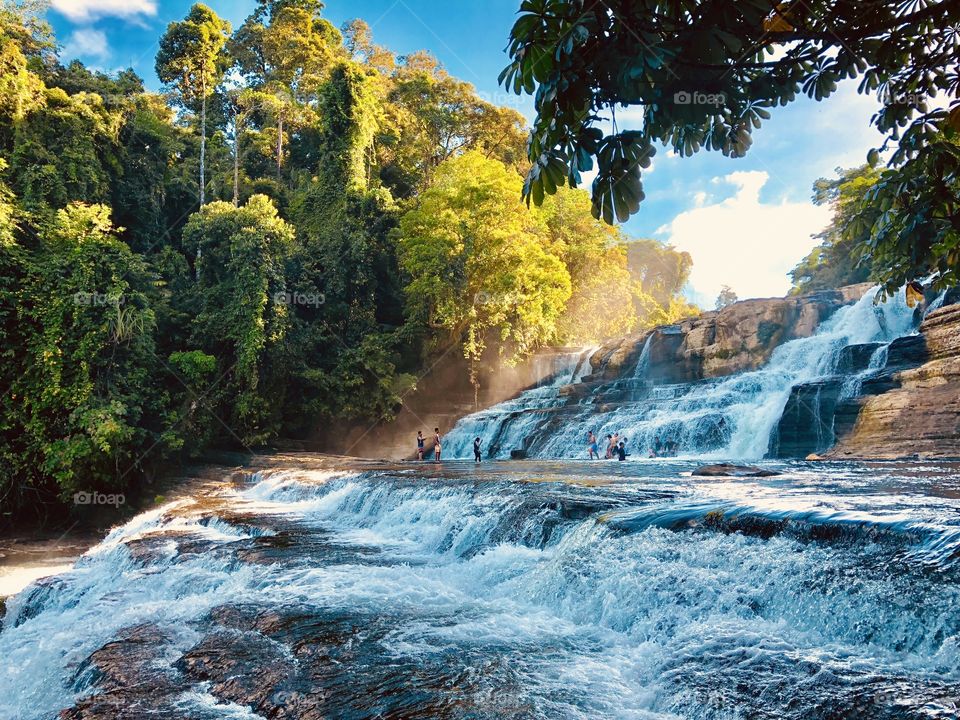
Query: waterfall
[[643, 363], [730, 417], [516, 419]]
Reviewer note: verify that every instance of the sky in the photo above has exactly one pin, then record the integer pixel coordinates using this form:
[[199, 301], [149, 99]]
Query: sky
[[745, 221]]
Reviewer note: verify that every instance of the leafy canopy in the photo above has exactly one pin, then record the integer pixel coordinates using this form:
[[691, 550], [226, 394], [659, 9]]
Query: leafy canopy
[[707, 74]]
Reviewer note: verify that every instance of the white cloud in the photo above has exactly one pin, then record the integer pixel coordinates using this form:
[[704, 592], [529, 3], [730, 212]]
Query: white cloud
[[744, 243], [86, 10], [87, 43]]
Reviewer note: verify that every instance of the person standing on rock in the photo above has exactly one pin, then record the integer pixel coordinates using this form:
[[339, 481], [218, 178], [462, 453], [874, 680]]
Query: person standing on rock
[[592, 446], [436, 444], [420, 443], [477, 456]]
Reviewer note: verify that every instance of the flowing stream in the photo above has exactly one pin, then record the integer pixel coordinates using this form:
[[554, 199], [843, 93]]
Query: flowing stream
[[510, 590], [729, 418]]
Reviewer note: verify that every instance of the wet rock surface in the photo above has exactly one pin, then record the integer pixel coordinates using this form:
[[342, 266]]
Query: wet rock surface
[[739, 337], [129, 678], [913, 407], [728, 470]]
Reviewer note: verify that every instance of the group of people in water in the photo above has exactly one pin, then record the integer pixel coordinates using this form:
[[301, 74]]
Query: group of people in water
[[422, 441], [616, 447]]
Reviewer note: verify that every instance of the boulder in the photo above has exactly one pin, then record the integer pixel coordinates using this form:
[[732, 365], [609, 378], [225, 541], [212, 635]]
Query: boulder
[[807, 423], [739, 337], [728, 470]]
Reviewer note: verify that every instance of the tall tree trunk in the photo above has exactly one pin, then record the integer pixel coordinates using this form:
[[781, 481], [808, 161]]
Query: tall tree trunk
[[279, 141], [203, 157], [203, 138], [236, 159]]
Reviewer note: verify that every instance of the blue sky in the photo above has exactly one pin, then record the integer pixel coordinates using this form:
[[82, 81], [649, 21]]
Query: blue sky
[[746, 221]]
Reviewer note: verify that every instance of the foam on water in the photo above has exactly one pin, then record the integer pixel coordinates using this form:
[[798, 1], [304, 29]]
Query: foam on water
[[549, 586]]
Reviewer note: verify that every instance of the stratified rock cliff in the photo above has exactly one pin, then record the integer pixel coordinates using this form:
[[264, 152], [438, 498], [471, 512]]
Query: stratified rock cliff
[[914, 407], [739, 337]]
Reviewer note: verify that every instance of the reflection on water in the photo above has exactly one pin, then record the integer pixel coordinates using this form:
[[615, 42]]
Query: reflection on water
[[517, 590]]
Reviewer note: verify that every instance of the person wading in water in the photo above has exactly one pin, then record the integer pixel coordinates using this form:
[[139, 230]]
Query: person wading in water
[[420, 443], [436, 444], [477, 457], [592, 446]]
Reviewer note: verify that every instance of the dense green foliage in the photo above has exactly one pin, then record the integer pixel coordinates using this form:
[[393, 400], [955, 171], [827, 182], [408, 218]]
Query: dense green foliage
[[363, 216], [707, 74], [839, 259]]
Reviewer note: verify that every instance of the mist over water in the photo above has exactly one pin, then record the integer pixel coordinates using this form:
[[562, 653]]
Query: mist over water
[[604, 590], [729, 418]]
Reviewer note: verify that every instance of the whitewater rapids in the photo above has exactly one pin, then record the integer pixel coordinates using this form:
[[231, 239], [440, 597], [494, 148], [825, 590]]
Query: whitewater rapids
[[515, 590]]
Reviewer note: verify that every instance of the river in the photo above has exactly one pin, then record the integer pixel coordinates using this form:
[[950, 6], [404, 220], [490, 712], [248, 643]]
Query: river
[[532, 589]]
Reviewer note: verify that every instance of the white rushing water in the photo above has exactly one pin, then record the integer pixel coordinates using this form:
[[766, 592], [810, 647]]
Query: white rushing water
[[524, 606], [568, 369], [729, 418]]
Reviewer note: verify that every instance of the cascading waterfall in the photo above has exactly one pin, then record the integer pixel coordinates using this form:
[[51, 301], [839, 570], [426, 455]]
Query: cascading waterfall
[[643, 362], [729, 418], [388, 594], [568, 369]]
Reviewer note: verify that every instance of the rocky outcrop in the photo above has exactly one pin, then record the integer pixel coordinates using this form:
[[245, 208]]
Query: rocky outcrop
[[739, 337], [913, 407], [728, 470], [807, 423]]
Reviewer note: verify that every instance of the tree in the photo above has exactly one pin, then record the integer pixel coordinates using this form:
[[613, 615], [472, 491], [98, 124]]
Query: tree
[[23, 37], [65, 151], [358, 41], [839, 259], [602, 304], [286, 49], [726, 297], [348, 258], [433, 117], [89, 405], [243, 314], [660, 269], [477, 263], [910, 217], [191, 59], [706, 74]]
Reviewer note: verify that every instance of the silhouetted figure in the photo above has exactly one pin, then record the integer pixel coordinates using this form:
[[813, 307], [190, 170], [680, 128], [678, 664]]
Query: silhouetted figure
[[477, 457], [436, 444]]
